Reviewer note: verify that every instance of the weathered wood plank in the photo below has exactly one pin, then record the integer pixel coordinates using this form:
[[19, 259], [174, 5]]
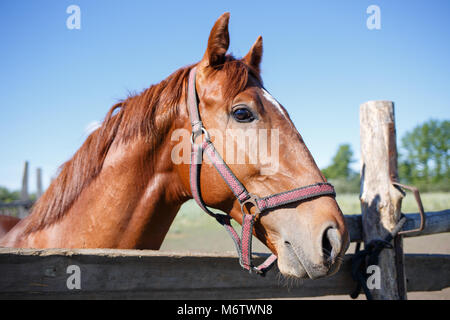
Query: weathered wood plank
[[27, 273], [436, 222]]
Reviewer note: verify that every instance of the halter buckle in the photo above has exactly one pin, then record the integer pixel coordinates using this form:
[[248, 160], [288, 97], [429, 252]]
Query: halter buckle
[[197, 133], [253, 201]]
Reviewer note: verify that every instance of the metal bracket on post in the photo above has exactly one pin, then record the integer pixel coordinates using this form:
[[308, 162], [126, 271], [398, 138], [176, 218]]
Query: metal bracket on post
[[398, 237], [416, 193]]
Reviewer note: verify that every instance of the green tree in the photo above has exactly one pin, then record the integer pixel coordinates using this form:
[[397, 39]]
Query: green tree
[[340, 166], [424, 156], [339, 173], [8, 196]]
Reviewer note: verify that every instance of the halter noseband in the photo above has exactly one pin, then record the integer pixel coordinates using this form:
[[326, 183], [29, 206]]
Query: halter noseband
[[244, 243]]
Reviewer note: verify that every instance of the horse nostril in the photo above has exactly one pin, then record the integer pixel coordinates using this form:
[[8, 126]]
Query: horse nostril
[[326, 247], [331, 244]]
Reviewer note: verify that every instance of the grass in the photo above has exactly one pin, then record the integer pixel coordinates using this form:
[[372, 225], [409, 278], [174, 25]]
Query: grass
[[435, 201]]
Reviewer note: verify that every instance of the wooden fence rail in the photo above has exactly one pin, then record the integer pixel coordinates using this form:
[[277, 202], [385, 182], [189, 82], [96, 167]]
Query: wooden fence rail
[[106, 274], [436, 222], [28, 273]]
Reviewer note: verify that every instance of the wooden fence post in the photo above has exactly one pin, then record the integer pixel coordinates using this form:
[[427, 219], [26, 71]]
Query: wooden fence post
[[38, 183], [380, 200], [24, 192]]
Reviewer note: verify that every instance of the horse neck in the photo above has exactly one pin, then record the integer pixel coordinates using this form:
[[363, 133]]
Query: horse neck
[[130, 204], [142, 195]]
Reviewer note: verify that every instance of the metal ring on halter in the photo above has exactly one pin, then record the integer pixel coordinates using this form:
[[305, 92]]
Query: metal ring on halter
[[195, 134], [253, 200]]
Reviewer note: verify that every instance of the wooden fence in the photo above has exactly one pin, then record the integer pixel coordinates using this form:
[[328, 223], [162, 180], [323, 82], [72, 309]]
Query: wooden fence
[[20, 208], [149, 274], [27, 273]]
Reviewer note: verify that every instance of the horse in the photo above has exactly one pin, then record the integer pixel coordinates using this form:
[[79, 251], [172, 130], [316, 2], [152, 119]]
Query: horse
[[7, 223], [123, 189]]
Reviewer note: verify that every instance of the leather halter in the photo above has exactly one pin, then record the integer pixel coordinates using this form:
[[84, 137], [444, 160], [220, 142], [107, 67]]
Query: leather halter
[[244, 243]]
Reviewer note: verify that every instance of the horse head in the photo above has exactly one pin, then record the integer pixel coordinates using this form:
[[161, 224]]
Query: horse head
[[309, 237]]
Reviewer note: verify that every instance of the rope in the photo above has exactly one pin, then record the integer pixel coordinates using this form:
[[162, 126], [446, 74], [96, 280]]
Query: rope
[[369, 256]]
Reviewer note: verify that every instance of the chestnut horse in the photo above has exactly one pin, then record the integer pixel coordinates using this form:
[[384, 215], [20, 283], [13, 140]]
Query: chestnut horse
[[122, 188]]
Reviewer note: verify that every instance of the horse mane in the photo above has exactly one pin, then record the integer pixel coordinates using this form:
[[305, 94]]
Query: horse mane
[[149, 114]]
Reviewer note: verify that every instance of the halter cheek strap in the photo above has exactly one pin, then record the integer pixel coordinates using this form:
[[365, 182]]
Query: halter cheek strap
[[244, 243]]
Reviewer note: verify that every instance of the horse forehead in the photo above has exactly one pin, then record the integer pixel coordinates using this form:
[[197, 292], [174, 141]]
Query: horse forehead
[[269, 98]]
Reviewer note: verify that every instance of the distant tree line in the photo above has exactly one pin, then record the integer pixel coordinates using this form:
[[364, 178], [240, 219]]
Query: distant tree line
[[7, 195], [339, 173], [423, 160]]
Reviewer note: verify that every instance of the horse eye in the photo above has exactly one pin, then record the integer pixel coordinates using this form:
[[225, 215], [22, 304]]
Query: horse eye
[[243, 115]]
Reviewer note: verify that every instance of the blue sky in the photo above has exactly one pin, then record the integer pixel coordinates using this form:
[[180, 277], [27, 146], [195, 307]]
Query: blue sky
[[320, 61]]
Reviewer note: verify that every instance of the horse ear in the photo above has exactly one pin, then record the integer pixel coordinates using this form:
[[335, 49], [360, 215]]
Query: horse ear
[[218, 42], [254, 56]]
